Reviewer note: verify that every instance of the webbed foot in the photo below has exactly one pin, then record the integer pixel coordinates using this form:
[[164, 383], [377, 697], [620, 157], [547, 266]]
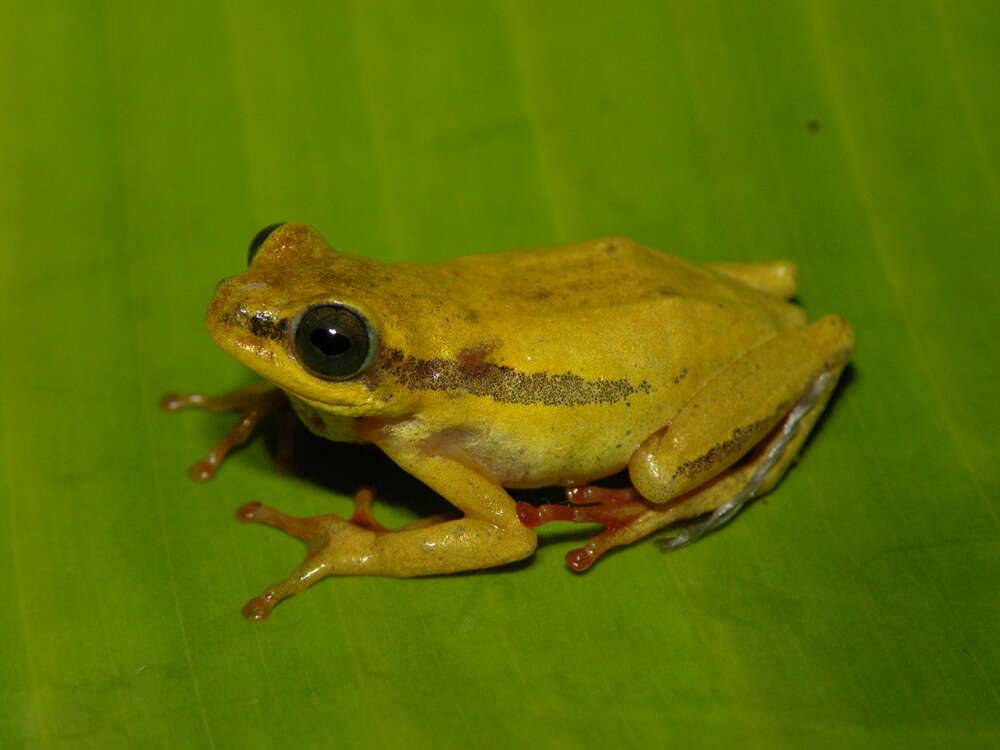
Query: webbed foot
[[333, 547], [613, 509]]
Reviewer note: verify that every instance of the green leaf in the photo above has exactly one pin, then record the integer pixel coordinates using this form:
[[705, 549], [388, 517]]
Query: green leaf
[[143, 146]]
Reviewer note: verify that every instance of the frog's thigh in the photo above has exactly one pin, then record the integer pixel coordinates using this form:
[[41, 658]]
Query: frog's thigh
[[489, 534], [737, 408]]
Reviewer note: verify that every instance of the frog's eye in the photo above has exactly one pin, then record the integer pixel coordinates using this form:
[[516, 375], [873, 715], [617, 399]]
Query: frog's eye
[[258, 240], [333, 341]]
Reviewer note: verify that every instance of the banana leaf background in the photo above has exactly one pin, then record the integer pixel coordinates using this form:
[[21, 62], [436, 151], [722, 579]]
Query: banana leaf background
[[143, 146]]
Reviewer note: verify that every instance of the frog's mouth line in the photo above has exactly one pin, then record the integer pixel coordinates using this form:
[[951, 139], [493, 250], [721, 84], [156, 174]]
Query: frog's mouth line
[[310, 401], [345, 408]]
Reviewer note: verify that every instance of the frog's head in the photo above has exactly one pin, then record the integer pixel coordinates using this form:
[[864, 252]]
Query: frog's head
[[301, 316]]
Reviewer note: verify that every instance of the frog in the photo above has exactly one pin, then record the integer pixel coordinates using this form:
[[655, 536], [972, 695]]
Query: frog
[[555, 366]]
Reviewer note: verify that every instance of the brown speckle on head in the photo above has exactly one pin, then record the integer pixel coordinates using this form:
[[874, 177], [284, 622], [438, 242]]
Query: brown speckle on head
[[259, 324], [264, 325]]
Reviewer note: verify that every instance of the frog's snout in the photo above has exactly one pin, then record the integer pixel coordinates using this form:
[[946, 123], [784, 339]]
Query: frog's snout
[[235, 312]]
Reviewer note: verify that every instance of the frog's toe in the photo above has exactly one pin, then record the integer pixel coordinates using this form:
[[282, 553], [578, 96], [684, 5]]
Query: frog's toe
[[362, 515], [305, 575], [580, 559], [616, 510], [307, 529], [590, 494], [259, 607], [203, 470], [248, 512], [333, 547], [610, 508]]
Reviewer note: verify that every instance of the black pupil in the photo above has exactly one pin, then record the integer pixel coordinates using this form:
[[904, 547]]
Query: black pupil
[[328, 341]]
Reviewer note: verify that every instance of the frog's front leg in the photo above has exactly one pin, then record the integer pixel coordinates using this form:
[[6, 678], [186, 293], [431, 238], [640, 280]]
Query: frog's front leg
[[488, 534], [255, 401]]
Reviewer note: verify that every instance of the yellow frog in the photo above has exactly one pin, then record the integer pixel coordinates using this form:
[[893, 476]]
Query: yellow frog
[[546, 366]]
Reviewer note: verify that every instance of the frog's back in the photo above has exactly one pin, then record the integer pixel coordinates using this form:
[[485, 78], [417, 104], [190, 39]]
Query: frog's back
[[610, 272], [565, 277], [599, 307], [602, 309]]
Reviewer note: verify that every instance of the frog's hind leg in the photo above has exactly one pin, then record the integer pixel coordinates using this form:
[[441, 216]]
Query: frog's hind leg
[[764, 469], [731, 442], [628, 517]]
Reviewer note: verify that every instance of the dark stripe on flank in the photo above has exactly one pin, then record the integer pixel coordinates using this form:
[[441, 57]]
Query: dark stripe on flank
[[469, 373]]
